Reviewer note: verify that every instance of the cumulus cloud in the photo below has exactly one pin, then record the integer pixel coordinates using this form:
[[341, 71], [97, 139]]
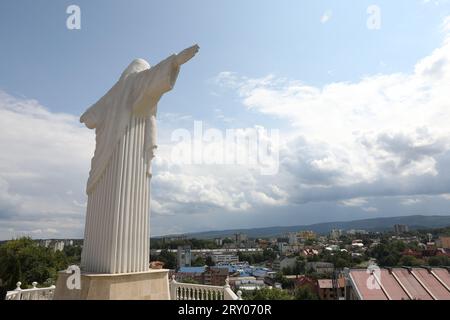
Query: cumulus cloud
[[43, 156], [386, 134], [44, 169], [350, 146]]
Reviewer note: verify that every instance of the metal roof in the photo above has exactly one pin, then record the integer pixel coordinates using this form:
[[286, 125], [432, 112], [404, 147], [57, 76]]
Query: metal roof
[[401, 284], [192, 269]]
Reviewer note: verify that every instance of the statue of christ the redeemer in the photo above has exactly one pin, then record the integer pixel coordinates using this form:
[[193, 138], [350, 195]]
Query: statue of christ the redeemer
[[117, 233]]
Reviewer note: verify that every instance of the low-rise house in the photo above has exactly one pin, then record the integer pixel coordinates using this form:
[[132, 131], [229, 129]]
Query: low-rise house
[[329, 289], [248, 283], [280, 264], [301, 281], [309, 252], [190, 273], [215, 276], [443, 242], [320, 267]]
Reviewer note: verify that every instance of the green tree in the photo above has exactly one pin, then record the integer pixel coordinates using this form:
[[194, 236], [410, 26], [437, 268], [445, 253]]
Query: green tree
[[267, 294], [388, 253], [189, 280], [305, 293], [168, 258], [439, 261], [209, 261], [25, 261], [285, 282], [269, 254], [410, 261], [198, 262]]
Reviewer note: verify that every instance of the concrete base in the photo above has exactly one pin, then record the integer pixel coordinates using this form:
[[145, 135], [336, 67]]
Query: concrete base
[[149, 285]]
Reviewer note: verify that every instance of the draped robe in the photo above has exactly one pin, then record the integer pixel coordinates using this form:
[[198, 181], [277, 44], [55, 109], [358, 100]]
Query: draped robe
[[117, 236]]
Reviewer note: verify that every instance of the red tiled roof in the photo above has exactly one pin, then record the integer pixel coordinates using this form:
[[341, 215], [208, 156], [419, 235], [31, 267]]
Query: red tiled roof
[[402, 284]]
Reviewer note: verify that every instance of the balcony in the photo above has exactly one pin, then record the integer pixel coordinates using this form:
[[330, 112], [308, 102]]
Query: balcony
[[188, 291], [30, 294], [178, 291]]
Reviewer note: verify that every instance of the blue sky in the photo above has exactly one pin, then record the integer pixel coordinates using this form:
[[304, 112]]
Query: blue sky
[[60, 72]]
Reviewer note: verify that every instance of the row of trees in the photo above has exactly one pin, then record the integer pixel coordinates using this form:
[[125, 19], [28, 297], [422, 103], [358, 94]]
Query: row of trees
[[174, 244], [302, 293]]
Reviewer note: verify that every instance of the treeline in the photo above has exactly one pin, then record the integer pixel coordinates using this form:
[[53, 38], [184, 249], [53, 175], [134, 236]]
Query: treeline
[[25, 261], [257, 257], [302, 293], [174, 244], [391, 253]]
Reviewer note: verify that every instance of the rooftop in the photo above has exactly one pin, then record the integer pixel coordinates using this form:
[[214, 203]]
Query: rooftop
[[402, 284]]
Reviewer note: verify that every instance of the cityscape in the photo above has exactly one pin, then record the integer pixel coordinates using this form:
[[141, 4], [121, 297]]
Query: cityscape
[[224, 158], [396, 264]]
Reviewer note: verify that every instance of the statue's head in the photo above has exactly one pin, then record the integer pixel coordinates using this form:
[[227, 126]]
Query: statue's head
[[136, 66]]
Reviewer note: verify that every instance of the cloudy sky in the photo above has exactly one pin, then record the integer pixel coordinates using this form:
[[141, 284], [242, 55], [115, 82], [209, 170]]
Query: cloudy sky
[[358, 91]]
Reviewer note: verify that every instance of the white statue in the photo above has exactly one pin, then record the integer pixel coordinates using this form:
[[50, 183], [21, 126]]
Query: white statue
[[117, 233]]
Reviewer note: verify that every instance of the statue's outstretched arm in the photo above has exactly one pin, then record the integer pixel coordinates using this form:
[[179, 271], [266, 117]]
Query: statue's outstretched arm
[[187, 54]]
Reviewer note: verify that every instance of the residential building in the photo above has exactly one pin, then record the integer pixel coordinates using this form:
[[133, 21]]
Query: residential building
[[249, 284], [240, 238], [215, 276], [224, 258], [190, 273], [308, 252], [320, 267], [329, 289], [283, 248], [443, 242], [357, 243], [335, 234], [280, 264], [58, 246], [356, 231], [401, 228], [306, 235], [263, 244], [301, 281], [292, 236], [184, 257]]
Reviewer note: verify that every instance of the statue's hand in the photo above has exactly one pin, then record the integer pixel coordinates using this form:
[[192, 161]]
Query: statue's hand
[[187, 54]]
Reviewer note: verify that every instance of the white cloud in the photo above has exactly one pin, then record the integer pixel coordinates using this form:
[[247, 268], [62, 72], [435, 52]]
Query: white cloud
[[345, 142], [44, 154], [44, 171], [410, 201], [326, 16], [357, 202], [384, 126]]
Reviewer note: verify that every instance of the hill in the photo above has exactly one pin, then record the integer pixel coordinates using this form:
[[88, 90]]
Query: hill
[[375, 224]]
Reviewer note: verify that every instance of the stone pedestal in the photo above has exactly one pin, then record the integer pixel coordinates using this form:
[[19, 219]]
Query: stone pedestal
[[149, 285]]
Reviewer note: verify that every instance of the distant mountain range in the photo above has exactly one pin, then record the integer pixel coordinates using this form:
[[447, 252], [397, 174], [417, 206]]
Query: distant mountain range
[[375, 224]]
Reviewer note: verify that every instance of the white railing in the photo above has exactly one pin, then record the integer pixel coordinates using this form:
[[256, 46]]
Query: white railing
[[30, 294], [178, 291], [189, 291]]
